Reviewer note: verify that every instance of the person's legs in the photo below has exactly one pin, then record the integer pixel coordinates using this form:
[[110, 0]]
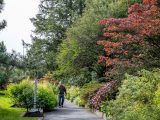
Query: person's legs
[[62, 102]]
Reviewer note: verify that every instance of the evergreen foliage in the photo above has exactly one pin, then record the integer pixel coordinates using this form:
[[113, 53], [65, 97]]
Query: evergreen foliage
[[54, 17], [2, 23], [8, 64]]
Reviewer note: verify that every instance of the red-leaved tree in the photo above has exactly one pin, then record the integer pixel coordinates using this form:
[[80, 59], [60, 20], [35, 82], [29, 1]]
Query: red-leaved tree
[[126, 36]]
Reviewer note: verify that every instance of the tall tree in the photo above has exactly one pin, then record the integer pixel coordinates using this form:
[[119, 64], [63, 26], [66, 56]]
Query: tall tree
[[85, 33], [127, 38], [50, 25], [3, 23], [7, 63], [2, 50]]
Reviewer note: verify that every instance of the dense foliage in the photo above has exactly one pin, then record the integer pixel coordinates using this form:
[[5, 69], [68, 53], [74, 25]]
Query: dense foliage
[[79, 50], [10, 66], [72, 93], [47, 96], [88, 91], [105, 92], [51, 22], [22, 95], [82, 95], [138, 98], [126, 37], [90, 45]]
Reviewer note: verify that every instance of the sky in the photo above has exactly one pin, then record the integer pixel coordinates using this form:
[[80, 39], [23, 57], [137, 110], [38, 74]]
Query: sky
[[17, 13]]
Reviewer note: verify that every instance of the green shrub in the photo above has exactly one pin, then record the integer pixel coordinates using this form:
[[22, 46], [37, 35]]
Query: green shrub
[[22, 94], [72, 93], [138, 98], [157, 97], [68, 94], [2, 92], [88, 90], [81, 95], [46, 98], [79, 101]]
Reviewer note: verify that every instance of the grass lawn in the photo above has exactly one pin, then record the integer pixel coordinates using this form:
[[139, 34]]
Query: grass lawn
[[9, 113]]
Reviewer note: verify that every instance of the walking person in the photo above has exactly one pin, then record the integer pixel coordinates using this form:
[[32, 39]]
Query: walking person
[[62, 92]]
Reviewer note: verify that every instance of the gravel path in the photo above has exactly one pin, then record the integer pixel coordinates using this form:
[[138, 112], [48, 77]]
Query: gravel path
[[70, 112]]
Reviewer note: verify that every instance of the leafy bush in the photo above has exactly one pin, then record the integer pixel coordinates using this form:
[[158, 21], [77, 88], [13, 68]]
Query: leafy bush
[[46, 98], [2, 92], [22, 95], [72, 93], [157, 97], [79, 101], [88, 90], [81, 95], [138, 98]]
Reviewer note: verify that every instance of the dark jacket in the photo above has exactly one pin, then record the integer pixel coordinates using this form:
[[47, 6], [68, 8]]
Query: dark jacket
[[62, 90]]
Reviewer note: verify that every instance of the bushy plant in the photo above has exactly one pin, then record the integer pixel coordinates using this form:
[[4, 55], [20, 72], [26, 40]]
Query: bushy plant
[[81, 95], [138, 98], [88, 90], [46, 97], [79, 101], [73, 92], [157, 97], [22, 95], [102, 94], [2, 92]]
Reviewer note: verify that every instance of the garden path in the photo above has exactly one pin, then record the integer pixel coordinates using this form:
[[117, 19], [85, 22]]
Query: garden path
[[70, 111]]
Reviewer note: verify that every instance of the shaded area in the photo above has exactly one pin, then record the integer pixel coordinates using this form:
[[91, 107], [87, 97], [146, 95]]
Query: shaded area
[[70, 112], [33, 114]]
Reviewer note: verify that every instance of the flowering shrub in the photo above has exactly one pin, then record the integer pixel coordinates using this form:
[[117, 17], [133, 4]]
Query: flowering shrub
[[102, 94]]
